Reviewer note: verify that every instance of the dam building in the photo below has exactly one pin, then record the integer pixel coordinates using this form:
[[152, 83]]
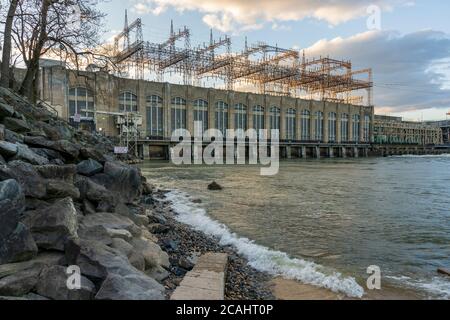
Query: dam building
[[144, 114]]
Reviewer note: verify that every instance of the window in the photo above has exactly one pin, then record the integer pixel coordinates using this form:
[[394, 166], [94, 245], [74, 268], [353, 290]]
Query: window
[[356, 127], [81, 101], [128, 102], [332, 127], [258, 118], [367, 121], [201, 113], [240, 117], [291, 128], [344, 127], [275, 116], [178, 113], [222, 117], [306, 125], [155, 116], [319, 126]]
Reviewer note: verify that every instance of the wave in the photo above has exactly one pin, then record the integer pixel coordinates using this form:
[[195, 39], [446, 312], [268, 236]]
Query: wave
[[262, 258], [437, 287]]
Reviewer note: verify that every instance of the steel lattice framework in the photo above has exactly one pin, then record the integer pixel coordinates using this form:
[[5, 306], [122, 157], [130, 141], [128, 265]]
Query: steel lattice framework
[[268, 69]]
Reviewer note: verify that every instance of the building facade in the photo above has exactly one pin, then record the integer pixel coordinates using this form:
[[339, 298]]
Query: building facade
[[445, 127], [395, 131], [307, 127]]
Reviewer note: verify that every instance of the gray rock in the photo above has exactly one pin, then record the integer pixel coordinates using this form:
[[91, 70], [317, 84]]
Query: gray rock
[[153, 255], [91, 153], [43, 259], [159, 274], [13, 137], [89, 168], [137, 260], [109, 221], [66, 172], [53, 226], [122, 246], [57, 189], [123, 180], [215, 187], [18, 246], [53, 284], [33, 185], [130, 287], [93, 192], [2, 160], [95, 233], [47, 153], [16, 125], [65, 147], [2, 132], [6, 110], [120, 233], [157, 228], [8, 149], [20, 283], [12, 205], [28, 155]]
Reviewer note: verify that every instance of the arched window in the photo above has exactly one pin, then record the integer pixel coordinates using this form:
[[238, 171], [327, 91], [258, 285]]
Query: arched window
[[155, 116], [367, 120], [356, 127], [291, 128], [344, 127], [222, 117], [306, 125], [128, 102], [332, 127], [201, 113], [81, 102], [275, 118], [240, 117], [258, 118], [178, 113], [319, 126]]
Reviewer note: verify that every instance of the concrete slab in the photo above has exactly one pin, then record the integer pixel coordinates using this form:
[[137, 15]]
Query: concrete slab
[[206, 281]]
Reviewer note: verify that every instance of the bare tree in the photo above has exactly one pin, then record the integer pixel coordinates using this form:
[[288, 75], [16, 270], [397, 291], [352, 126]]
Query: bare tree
[[7, 44], [67, 29]]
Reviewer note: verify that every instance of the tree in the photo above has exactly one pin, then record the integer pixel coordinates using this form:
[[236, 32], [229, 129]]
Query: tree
[[66, 29], [7, 44]]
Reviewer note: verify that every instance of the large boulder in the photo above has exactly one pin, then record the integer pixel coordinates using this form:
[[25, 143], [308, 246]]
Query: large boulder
[[130, 287], [8, 149], [91, 153], [18, 246], [95, 233], [65, 172], [57, 189], [52, 227], [67, 148], [5, 110], [123, 180], [33, 185], [26, 154], [16, 125], [153, 255], [110, 221], [13, 137], [47, 153], [20, 283], [2, 160], [89, 167], [95, 193], [12, 205], [53, 284]]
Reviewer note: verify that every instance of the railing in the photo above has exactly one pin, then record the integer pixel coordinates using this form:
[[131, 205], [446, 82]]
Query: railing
[[49, 107]]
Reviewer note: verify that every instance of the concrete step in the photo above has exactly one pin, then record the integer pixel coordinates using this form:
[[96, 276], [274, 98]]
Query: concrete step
[[206, 281]]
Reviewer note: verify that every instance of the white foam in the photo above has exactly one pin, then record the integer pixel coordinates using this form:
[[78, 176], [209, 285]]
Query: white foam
[[422, 156], [437, 287], [261, 258]]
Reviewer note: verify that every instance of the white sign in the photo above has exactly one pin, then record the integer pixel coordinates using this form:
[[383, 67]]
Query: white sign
[[77, 118], [120, 150]]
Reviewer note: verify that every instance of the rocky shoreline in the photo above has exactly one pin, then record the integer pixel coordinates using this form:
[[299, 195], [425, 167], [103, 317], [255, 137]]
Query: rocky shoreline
[[70, 207], [184, 245]]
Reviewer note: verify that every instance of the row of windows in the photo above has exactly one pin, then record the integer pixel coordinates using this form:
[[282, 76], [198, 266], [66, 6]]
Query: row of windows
[[81, 102]]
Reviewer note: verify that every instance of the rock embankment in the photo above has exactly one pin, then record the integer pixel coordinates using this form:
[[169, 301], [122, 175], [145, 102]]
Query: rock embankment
[[66, 201]]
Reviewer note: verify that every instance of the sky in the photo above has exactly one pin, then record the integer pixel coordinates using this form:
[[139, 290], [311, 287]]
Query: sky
[[406, 43]]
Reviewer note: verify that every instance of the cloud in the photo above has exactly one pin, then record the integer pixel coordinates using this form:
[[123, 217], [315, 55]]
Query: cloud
[[238, 15], [411, 71]]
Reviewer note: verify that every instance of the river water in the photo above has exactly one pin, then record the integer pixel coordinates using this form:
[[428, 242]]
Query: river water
[[325, 222]]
